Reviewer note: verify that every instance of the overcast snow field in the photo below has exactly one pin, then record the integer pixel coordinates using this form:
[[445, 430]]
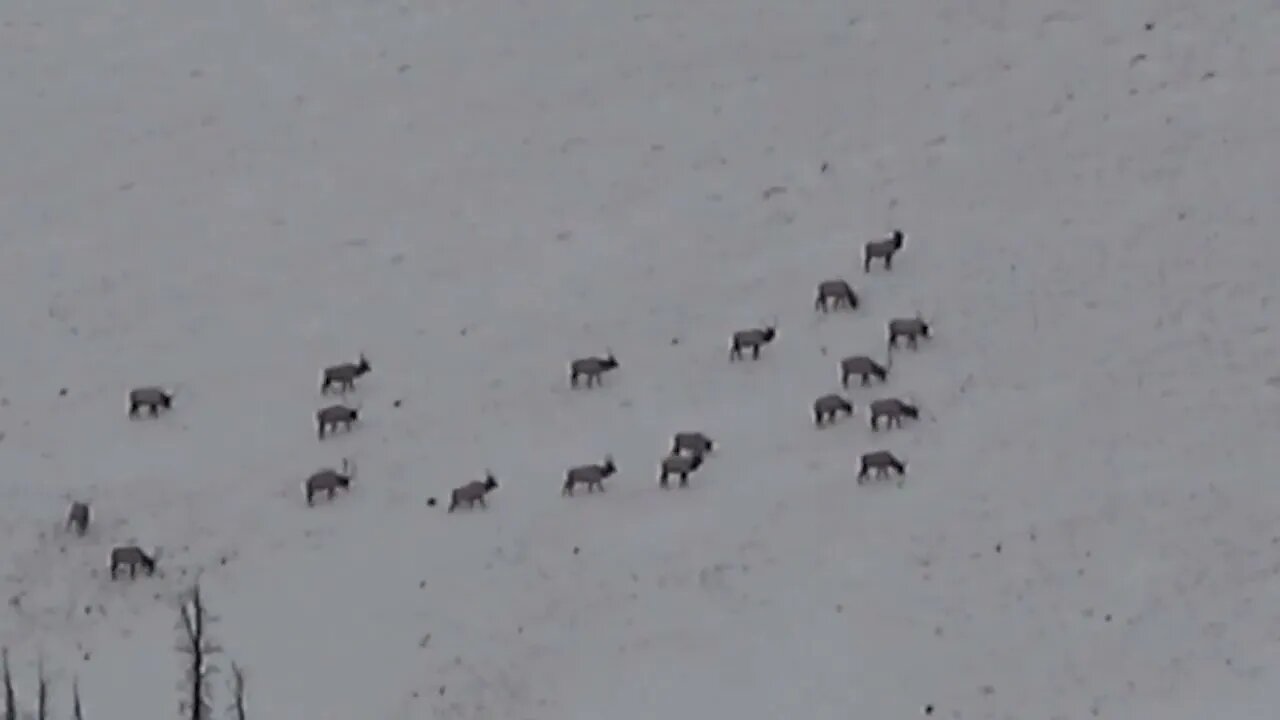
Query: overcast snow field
[[224, 197]]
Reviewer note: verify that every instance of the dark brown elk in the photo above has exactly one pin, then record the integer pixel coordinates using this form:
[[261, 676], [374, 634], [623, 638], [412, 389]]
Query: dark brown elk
[[473, 492], [131, 556], [752, 339], [892, 410], [78, 517], [590, 475], [881, 462], [328, 419], [883, 250], [864, 367], [828, 407], [837, 292], [910, 328], [329, 481], [344, 375], [153, 399], [680, 465], [592, 368]]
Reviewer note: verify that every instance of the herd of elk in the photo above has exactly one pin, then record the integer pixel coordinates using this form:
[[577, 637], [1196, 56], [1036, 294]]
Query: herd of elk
[[689, 449]]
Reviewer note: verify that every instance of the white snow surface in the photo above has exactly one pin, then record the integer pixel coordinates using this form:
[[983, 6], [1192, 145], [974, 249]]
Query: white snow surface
[[223, 197]]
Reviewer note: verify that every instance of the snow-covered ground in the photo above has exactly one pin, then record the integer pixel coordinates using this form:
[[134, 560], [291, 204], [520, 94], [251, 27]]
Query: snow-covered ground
[[226, 196]]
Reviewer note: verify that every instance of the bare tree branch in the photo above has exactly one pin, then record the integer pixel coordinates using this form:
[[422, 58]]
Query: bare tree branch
[[10, 701], [42, 691], [76, 712], [193, 623], [237, 692]]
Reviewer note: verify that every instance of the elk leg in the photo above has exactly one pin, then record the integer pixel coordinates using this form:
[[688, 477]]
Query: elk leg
[[755, 352], [684, 481]]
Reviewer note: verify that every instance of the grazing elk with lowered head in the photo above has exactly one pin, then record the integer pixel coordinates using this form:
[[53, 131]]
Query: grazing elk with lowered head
[[78, 517], [344, 375], [880, 462], [752, 339], [910, 328], [131, 556], [693, 442], [329, 481], [892, 410], [828, 407], [473, 492], [883, 250], [590, 475], [153, 398], [680, 465], [328, 419], [591, 368], [837, 292], [864, 367]]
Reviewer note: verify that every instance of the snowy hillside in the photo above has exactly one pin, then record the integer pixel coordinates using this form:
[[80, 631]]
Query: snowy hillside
[[226, 197]]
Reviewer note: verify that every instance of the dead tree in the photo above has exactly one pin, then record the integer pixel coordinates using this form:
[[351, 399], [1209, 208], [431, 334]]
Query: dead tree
[[77, 713], [10, 701], [237, 692], [194, 643], [42, 691]]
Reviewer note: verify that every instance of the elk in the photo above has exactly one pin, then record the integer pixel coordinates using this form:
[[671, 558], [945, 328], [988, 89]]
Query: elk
[[131, 556], [910, 328], [883, 250], [328, 419], [837, 292], [590, 475], [693, 442], [864, 367], [828, 407], [753, 339], [78, 517], [881, 462], [344, 375], [892, 410], [592, 368], [152, 398], [328, 481], [680, 465], [473, 492]]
